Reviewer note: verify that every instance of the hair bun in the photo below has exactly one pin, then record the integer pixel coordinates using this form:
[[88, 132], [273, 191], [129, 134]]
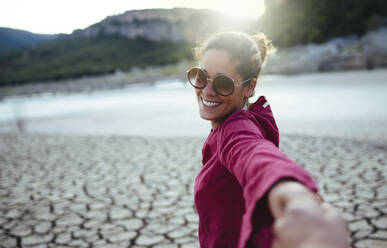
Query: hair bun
[[249, 52], [264, 45]]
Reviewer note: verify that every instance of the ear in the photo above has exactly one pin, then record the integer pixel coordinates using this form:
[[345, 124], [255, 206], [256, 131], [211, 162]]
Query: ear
[[250, 88]]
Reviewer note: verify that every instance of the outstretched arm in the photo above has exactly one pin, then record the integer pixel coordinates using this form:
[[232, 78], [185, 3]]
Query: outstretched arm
[[303, 221]]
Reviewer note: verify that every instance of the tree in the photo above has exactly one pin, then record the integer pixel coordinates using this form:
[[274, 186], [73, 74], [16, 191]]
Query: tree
[[293, 22]]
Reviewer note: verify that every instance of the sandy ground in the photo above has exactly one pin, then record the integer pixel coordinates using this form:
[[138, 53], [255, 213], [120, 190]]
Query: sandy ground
[[116, 191]]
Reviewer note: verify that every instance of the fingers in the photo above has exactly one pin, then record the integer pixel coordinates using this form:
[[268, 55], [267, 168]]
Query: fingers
[[322, 227], [287, 229], [334, 213]]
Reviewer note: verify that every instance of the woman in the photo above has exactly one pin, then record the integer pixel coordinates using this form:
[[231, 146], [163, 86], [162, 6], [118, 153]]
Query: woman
[[248, 193]]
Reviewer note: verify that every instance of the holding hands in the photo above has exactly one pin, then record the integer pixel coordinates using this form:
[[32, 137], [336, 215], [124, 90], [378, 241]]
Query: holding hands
[[303, 221]]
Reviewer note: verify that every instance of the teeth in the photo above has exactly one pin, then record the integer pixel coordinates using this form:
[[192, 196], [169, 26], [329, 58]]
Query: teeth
[[210, 104]]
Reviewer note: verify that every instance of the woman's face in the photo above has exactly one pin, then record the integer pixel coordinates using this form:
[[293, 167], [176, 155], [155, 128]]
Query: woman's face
[[212, 106]]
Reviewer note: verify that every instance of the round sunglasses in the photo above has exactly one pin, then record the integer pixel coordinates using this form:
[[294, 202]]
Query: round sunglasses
[[223, 84]]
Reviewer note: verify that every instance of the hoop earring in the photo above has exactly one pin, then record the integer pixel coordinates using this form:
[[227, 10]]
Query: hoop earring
[[246, 106]]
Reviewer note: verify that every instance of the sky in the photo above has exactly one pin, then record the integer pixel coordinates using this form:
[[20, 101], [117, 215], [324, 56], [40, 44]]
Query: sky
[[59, 16]]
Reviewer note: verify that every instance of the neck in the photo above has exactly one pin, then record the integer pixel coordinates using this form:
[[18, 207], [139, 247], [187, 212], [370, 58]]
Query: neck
[[214, 125]]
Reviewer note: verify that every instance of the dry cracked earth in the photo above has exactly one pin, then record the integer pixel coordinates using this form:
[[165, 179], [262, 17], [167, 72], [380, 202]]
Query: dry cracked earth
[[93, 191]]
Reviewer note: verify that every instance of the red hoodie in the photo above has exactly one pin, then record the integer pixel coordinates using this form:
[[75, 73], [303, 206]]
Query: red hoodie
[[241, 162]]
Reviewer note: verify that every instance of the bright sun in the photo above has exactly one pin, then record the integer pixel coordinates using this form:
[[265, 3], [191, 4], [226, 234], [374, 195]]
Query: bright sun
[[246, 9], [251, 9]]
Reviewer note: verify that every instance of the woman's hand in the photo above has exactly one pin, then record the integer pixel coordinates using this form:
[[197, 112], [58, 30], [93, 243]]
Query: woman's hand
[[303, 221]]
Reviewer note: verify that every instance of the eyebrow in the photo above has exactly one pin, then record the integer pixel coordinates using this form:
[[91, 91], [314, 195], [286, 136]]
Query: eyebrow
[[217, 74]]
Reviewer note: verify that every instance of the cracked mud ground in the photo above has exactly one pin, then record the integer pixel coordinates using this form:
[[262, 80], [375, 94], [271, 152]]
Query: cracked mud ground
[[64, 191]]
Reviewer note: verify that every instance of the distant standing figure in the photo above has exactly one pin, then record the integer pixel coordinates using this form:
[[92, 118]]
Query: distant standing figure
[[248, 193], [18, 110]]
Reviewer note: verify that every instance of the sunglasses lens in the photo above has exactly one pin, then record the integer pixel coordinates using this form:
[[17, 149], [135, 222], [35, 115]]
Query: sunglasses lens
[[197, 78], [224, 85]]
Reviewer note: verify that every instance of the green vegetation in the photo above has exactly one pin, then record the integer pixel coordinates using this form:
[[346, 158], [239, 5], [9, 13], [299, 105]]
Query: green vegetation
[[75, 56], [294, 22]]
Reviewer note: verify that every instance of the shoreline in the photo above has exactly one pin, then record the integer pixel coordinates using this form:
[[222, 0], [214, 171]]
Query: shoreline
[[124, 80], [337, 104], [89, 84]]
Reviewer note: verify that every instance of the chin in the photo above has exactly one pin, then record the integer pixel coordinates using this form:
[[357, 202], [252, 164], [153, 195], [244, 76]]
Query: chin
[[206, 117]]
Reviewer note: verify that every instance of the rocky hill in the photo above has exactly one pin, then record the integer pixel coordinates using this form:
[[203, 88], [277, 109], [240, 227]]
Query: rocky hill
[[137, 38], [178, 24]]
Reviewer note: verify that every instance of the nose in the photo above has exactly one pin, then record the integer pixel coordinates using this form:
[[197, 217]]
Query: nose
[[209, 89]]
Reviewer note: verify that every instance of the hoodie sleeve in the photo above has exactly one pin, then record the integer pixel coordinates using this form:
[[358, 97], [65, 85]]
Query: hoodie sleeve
[[256, 163]]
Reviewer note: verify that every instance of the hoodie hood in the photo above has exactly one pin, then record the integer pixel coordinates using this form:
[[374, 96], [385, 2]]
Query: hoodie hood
[[261, 111]]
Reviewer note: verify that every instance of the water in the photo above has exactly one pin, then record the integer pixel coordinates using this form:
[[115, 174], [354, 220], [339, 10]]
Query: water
[[340, 104]]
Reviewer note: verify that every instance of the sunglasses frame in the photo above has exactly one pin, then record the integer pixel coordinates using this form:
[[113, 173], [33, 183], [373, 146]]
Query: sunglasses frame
[[213, 81]]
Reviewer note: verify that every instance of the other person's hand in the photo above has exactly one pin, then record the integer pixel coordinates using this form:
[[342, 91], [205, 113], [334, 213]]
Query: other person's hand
[[304, 227]]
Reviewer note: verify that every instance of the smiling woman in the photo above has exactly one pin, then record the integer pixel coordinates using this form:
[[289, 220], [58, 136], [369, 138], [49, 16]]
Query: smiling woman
[[248, 193]]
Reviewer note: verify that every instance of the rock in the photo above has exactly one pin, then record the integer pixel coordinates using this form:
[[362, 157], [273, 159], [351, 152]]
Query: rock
[[13, 213], [8, 241], [192, 218], [190, 245], [21, 230], [380, 234], [124, 236], [96, 215], [43, 228], [119, 213], [69, 220], [131, 224], [78, 243], [92, 224], [371, 243], [164, 245], [380, 223], [63, 238], [182, 232], [149, 240], [109, 229], [83, 234], [34, 240]]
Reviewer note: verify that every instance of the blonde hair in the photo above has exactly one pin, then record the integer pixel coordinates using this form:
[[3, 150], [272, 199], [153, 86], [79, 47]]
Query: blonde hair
[[250, 51]]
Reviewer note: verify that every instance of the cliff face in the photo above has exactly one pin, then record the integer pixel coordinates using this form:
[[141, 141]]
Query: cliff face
[[179, 24], [349, 53]]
